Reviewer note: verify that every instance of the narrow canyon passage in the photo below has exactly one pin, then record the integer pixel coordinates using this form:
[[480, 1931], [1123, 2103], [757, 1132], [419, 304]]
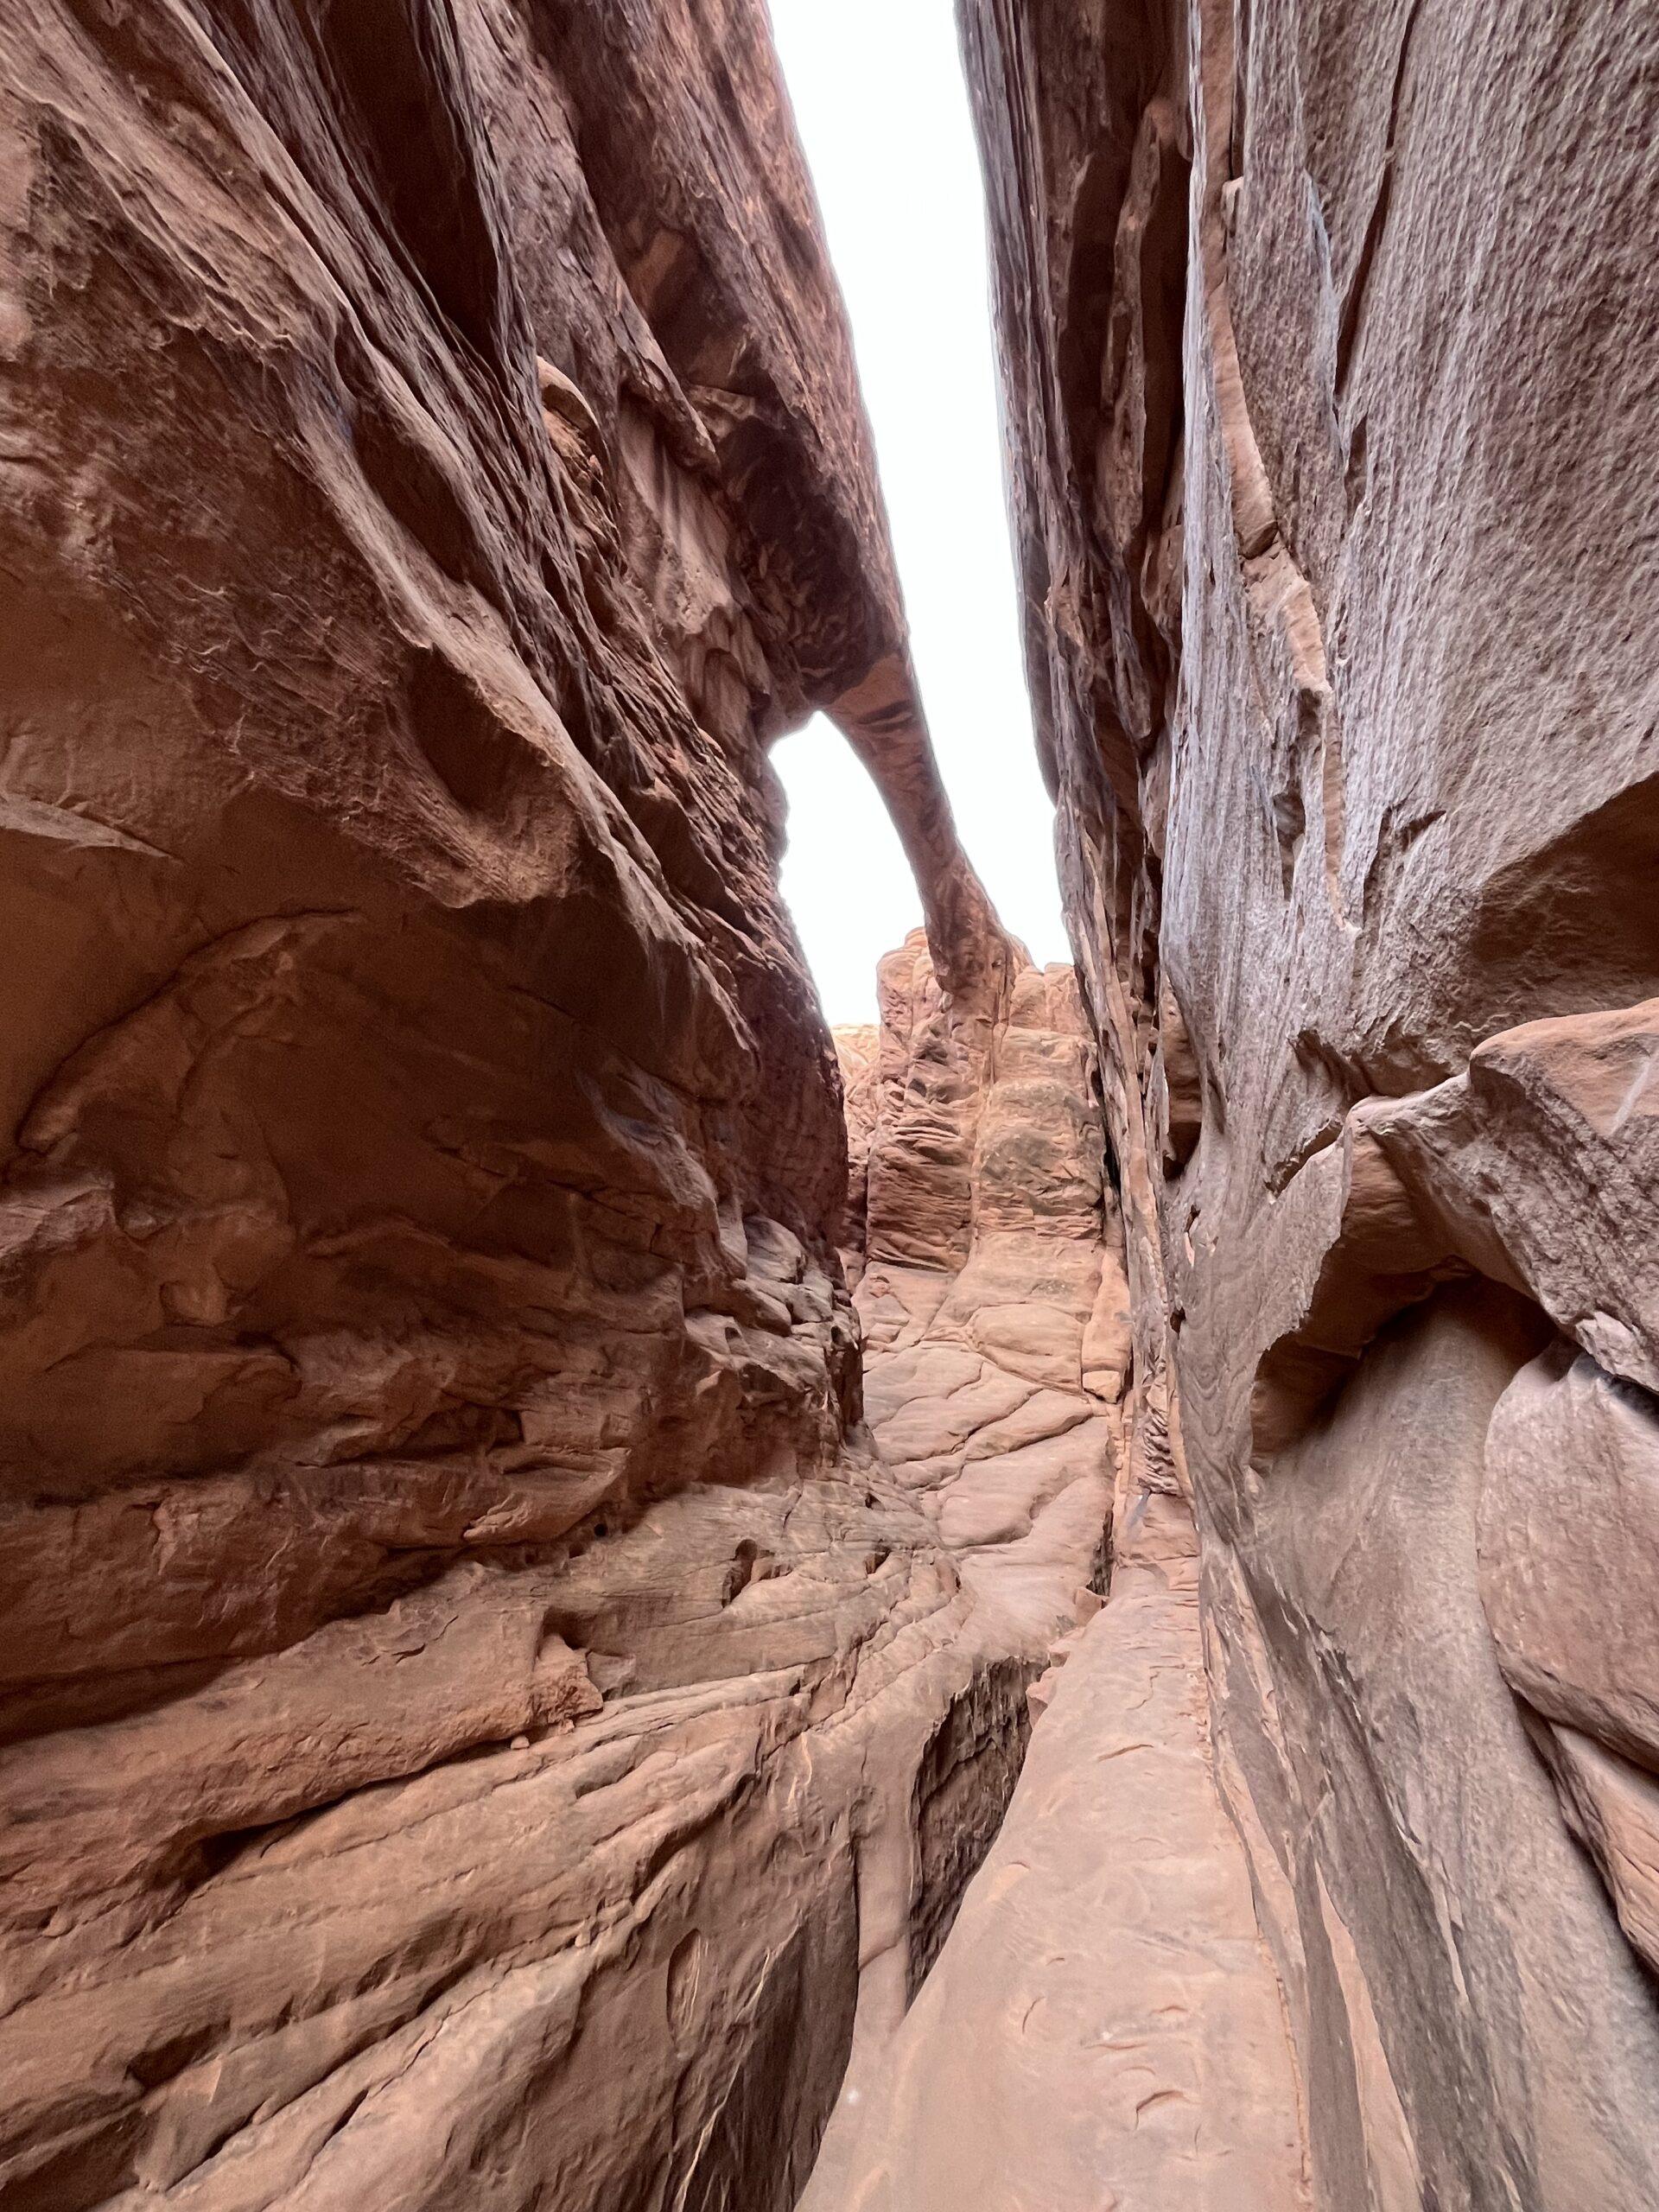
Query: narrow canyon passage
[[610, 1601], [1105, 2024]]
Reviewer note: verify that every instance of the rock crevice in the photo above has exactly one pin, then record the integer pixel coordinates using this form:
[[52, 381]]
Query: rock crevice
[[532, 1551]]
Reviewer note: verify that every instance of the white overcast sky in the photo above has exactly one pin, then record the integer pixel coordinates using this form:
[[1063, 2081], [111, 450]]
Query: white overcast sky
[[883, 113]]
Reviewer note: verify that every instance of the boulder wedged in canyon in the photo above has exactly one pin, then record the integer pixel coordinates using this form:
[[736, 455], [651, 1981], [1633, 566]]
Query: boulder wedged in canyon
[[457, 1639], [1327, 339]]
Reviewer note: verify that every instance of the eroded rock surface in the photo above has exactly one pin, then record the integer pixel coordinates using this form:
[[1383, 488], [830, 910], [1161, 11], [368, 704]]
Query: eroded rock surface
[[991, 1292], [454, 1629], [1104, 2026], [483, 1718], [991, 1289], [1328, 339]]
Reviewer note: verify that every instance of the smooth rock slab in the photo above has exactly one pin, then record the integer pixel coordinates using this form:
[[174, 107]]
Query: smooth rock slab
[[1102, 2031]]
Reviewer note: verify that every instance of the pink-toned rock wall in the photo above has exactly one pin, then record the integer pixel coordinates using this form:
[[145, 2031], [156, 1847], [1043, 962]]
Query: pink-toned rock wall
[[484, 1717], [452, 1624], [857, 1054], [991, 1293], [1328, 336]]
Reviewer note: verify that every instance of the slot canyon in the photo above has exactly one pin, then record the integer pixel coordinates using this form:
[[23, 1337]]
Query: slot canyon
[[611, 1601]]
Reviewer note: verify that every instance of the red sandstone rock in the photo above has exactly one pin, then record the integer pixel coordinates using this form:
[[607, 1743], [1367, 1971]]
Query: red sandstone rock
[[989, 1251], [975, 1372], [1327, 337], [1104, 2026], [453, 1629], [856, 1049], [456, 1625]]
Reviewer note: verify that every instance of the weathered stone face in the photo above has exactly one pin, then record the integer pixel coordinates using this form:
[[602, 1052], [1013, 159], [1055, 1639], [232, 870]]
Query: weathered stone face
[[452, 1622], [989, 1281], [1328, 337], [484, 1714], [991, 1294]]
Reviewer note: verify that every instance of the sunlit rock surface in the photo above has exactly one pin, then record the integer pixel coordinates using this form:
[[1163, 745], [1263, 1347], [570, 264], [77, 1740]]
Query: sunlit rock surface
[[1328, 337]]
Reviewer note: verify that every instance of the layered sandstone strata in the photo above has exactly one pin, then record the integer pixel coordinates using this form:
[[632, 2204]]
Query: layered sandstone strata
[[991, 1290], [1328, 336], [454, 1625], [484, 1719], [995, 1322]]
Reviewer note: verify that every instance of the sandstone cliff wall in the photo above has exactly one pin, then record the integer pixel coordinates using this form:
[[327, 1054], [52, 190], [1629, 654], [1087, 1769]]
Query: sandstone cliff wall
[[483, 1717], [451, 1620], [1328, 337]]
